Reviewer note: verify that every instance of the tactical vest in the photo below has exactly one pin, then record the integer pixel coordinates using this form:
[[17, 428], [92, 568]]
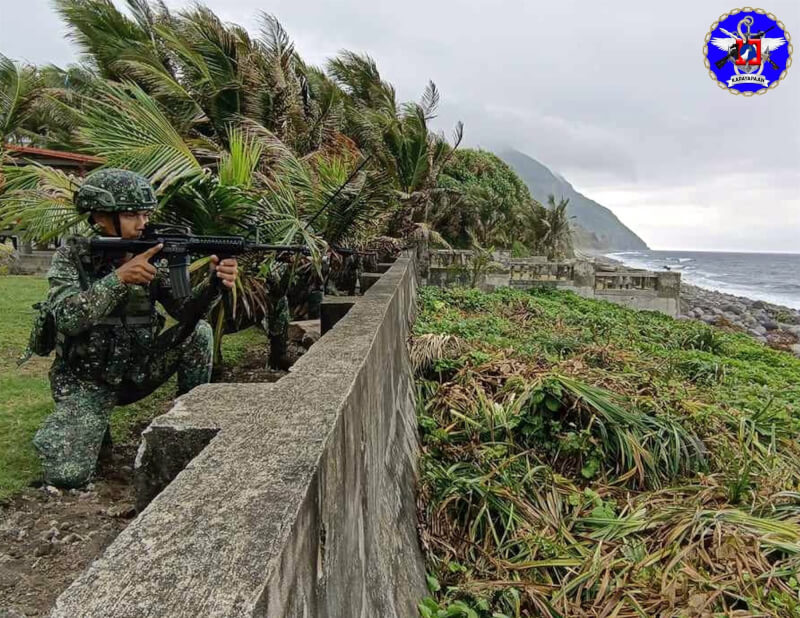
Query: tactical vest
[[120, 345]]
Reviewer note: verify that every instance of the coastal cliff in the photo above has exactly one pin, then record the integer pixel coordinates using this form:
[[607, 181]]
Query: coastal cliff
[[595, 227]]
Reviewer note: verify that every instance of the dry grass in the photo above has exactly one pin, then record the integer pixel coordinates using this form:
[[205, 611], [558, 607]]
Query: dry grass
[[585, 460]]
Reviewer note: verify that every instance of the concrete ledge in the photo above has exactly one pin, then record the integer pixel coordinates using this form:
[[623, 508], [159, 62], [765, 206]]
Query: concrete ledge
[[303, 506], [333, 309], [367, 280], [173, 439]]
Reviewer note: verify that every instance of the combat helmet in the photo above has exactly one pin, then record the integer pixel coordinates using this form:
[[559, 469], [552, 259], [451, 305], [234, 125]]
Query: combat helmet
[[115, 190]]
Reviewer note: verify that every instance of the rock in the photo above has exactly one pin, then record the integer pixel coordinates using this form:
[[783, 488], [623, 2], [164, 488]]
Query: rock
[[8, 578], [50, 534], [51, 491], [70, 538], [795, 348], [769, 324], [731, 308], [758, 331], [125, 510], [42, 549], [304, 332], [710, 319]]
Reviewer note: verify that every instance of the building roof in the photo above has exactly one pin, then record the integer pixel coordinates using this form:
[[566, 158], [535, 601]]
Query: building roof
[[55, 157]]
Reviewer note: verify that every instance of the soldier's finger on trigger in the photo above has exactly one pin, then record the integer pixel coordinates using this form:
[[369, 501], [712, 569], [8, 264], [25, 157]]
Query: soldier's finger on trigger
[[153, 250]]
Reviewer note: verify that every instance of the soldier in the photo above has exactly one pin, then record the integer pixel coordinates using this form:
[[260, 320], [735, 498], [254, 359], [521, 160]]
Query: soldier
[[110, 349], [279, 278]]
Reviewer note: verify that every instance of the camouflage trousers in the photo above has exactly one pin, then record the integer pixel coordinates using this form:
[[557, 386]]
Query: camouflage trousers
[[277, 326], [71, 438]]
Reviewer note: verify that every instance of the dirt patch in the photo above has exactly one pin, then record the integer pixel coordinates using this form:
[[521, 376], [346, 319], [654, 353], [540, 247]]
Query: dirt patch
[[252, 367], [48, 537]]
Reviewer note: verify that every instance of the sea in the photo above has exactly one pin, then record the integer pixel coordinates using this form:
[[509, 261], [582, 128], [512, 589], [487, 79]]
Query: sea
[[771, 277]]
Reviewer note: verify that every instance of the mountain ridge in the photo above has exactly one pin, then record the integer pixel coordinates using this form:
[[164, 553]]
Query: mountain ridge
[[595, 227]]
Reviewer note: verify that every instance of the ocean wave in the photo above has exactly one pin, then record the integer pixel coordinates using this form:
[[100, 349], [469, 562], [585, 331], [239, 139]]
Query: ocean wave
[[753, 276]]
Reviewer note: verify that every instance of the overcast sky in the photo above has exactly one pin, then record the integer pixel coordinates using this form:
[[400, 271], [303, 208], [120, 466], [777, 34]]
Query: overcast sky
[[613, 96]]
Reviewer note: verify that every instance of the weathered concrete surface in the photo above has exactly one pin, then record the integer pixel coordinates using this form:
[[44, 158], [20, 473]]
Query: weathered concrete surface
[[173, 439], [303, 505], [334, 308], [367, 280], [32, 263]]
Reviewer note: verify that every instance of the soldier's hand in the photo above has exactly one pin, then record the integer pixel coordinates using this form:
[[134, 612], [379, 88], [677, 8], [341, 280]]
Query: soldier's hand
[[227, 270], [139, 269]]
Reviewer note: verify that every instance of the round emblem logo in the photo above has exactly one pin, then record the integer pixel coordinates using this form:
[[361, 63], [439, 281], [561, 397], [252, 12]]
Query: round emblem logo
[[747, 51]]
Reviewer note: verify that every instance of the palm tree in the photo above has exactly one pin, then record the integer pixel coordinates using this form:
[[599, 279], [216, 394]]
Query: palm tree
[[20, 87], [557, 242], [397, 136], [236, 133]]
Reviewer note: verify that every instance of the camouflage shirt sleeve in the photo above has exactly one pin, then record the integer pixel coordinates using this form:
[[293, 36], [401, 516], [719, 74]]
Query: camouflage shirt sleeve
[[203, 295], [76, 310]]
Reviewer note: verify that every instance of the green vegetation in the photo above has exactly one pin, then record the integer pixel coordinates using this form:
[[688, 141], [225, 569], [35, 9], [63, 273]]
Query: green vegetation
[[25, 397], [235, 131], [484, 203], [580, 458], [239, 135]]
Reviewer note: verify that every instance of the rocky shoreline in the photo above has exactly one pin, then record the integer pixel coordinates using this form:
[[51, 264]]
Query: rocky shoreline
[[774, 325]]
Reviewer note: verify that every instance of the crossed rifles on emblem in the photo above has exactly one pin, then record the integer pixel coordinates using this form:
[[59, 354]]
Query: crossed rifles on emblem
[[747, 51]]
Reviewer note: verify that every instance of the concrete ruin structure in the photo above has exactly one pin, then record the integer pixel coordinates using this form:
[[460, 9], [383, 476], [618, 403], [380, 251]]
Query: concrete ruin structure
[[638, 289]]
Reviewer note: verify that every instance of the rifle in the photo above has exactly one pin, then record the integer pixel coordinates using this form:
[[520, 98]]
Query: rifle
[[760, 34], [347, 251], [733, 51], [733, 55], [179, 245]]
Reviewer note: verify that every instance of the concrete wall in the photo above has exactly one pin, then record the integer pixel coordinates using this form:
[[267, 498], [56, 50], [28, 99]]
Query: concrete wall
[[638, 289], [300, 500]]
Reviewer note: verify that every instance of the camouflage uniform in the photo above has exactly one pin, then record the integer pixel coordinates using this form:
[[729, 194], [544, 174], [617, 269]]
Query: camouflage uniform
[[278, 315], [111, 351]]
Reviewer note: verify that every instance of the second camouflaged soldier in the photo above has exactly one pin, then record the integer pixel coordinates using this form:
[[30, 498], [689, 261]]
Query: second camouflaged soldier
[[110, 349]]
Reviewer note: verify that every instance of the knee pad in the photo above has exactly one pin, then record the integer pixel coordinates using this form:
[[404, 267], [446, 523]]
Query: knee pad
[[203, 335]]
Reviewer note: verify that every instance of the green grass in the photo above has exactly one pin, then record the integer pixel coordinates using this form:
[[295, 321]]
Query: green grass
[[581, 458], [25, 398]]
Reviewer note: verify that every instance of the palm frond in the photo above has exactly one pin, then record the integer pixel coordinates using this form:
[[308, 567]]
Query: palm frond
[[37, 203], [20, 86], [126, 127]]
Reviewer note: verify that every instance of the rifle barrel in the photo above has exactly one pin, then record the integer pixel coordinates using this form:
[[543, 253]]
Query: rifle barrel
[[278, 248]]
